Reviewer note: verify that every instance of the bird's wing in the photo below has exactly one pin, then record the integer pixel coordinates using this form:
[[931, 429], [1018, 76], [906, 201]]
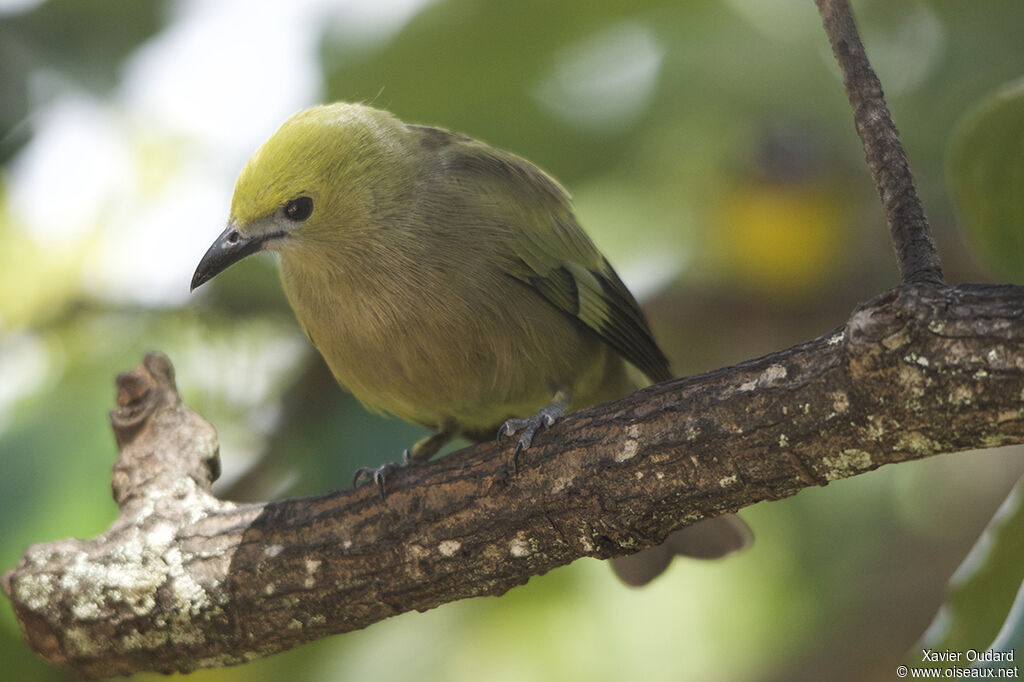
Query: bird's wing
[[547, 249], [591, 291]]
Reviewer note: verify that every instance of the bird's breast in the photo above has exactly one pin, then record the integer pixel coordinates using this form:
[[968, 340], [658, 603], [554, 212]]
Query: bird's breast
[[432, 346]]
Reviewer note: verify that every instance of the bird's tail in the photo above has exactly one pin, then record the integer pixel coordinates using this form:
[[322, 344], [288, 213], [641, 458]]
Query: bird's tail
[[708, 539]]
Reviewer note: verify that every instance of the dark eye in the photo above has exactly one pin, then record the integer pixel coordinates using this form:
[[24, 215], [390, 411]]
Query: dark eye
[[298, 209]]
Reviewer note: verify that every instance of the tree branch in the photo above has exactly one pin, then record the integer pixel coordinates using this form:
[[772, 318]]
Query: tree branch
[[182, 580], [911, 236]]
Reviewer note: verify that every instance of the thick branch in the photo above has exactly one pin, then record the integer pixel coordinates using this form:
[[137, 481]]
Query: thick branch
[[182, 580], [911, 236]]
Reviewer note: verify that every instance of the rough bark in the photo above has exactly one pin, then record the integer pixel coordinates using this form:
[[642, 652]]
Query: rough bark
[[182, 580]]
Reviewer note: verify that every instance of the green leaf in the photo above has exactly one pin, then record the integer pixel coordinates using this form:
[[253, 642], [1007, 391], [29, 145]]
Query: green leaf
[[986, 174], [977, 612], [1011, 636]]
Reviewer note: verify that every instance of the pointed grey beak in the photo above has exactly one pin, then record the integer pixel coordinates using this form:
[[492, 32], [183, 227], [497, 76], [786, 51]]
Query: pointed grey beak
[[229, 248]]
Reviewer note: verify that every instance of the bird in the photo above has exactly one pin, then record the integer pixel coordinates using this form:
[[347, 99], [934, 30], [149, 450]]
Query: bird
[[446, 282]]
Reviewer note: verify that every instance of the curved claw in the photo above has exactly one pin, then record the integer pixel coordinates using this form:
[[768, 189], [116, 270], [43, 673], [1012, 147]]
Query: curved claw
[[529, 426], [381, 473], [515, 456], [378, 475], [510, 427]]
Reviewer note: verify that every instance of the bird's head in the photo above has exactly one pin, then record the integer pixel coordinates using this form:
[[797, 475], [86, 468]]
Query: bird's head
[[322, 177]]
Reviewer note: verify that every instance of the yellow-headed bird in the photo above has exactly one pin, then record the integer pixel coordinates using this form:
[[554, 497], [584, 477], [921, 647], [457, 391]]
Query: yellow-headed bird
[[444, 281]]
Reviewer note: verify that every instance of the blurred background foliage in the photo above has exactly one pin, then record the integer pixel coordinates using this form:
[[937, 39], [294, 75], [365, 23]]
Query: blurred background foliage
[[710, 149]]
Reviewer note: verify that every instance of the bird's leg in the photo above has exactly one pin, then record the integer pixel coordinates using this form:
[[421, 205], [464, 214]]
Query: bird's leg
[[427, 447], [424, 449], [529, 426]]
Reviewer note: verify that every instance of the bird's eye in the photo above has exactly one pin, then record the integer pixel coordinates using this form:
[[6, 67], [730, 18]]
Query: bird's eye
[[298, 209]]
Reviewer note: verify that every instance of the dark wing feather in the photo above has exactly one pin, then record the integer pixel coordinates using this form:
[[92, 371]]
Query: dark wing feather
[[547, 249]]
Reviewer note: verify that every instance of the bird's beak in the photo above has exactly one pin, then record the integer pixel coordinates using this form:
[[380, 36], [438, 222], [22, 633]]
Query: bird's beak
[[229, 248]]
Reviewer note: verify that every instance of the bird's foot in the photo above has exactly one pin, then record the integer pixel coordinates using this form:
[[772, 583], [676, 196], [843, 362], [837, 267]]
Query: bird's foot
[[380, 474], [529, 426], [422, 451]]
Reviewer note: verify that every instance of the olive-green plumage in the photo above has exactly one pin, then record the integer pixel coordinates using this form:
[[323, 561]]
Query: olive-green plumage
[[444, 281]]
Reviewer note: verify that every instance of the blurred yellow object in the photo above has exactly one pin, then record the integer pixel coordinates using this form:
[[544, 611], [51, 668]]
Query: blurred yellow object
[[36, 280], [781, 238]]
